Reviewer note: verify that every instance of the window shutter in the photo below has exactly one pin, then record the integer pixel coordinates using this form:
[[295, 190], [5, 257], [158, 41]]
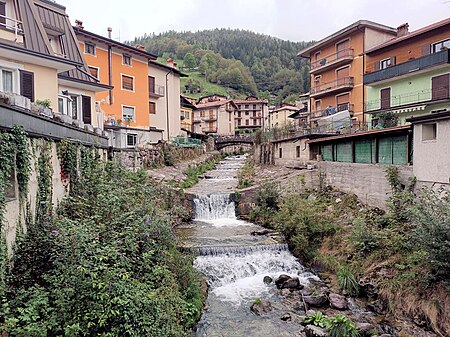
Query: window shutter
[[27, 84], [392, 60], [87, 113], [440, 87], [426, 50], [3, 13], [377, 66]]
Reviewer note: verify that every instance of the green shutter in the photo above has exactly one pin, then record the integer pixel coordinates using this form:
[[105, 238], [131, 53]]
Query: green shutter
[[327, 152], [393, 150], [344, 152], [365, 151]]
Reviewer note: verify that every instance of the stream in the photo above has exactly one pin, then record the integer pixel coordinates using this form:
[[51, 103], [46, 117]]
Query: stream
[[235, 262]]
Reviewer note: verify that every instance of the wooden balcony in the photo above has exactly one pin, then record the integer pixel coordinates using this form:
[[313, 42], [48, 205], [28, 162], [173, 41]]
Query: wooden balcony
[[334, 60], [332, 87]]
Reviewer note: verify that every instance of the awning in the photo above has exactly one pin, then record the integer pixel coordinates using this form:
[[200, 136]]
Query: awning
[[409, 109]]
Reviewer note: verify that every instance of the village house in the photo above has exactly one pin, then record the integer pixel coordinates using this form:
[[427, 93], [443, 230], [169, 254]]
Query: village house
[[337, 68], [408, 75], [279, 117], [187, 108], [250, 114], [215, 117], [144, 104]]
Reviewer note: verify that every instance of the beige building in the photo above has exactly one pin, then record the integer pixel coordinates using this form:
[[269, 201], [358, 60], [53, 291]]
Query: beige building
[[164, 98], [41, 67], [279, 117], [215, 117], [250, 114]]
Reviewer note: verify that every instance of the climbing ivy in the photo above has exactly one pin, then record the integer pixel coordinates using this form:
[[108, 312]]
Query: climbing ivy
[[23, 159], [68, 155], [44, 179]]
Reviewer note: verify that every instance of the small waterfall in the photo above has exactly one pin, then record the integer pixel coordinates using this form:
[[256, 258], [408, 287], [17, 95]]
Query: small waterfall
[[215, 251], [214, 206]]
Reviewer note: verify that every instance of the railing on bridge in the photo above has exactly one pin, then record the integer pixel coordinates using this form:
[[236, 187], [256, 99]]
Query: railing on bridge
[[223, 141]]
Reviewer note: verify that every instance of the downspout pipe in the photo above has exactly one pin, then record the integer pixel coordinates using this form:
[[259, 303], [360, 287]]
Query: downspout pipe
[[110, 73], [167, 103]]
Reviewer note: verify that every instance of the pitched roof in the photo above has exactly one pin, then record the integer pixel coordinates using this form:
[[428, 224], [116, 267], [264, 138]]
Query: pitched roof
[[214, 104], [411, 35], [287, 107], [244, 101], [345, 31]]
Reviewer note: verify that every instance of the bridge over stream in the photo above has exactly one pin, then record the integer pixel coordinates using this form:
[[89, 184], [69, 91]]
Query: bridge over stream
[[224, 141]]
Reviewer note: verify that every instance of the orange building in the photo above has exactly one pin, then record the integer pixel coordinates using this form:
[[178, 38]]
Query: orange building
[[336, 71], [126, 106]]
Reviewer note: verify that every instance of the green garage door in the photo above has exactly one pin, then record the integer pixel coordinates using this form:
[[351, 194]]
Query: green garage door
[[327, 152], [344, 152], [365, 151], [393, 150]]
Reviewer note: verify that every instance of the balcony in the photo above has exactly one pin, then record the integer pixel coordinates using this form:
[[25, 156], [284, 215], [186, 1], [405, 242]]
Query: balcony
[[334, 60], [209, 130], [332, 110], [408, 99], [341, 84], [12, 25], [420, 64], [210, 118], [157, 91]]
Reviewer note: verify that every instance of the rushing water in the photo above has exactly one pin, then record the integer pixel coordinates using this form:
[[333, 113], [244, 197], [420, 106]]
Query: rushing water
[[235, 262]]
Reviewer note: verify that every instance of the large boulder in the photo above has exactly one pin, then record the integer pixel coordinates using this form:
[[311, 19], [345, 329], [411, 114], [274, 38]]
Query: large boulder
[[365, 329], [261, 307], [267, 280], [315, 331], [292, 283], [281, 279], [316, 301], [338, 301]]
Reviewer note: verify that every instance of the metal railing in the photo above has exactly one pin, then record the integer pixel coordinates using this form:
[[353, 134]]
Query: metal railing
[[332, 58], [186, 142], [11, 24], [333, 85], [209, 130], [407, 67], [332, 110], [408, 98]]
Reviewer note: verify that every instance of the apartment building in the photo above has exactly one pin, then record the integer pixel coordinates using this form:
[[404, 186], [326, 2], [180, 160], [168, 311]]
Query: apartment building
[[40, 63], [409, 75], [215, 117], [279, 117], [336, 69], [250, 114], [187, 108]]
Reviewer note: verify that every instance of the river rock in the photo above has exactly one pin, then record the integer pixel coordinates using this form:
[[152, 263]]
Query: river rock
[[365, 329], [267, 280], [286, 317], [261, 307], [261, 232], [281, 279], [338, 301], [316, 301], [310, 312], [378, 306], [293, 283], [315, 331]]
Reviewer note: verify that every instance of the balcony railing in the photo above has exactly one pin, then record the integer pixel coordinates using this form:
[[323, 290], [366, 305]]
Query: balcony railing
[[397, 101], [209, 118], [333, 86], [332, 110], [209, 130], [405, 68], [157, 91], [11, 24], [333, 59]]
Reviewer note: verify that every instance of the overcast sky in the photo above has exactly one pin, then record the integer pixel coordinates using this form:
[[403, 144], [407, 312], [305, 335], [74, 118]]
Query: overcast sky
[[295, 20]]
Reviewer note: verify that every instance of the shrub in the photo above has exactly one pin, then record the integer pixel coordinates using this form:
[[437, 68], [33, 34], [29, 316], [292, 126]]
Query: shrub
[[347, 280], [341, 326]]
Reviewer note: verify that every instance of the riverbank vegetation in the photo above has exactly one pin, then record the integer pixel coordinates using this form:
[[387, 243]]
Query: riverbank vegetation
[[397, 258], [102, 263], [246, 174]]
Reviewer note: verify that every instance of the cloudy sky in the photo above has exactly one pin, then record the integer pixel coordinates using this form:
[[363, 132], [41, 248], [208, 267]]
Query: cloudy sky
[[295, 20]]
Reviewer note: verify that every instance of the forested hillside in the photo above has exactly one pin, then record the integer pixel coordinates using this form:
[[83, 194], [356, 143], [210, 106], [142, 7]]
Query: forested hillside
[[247, 62]]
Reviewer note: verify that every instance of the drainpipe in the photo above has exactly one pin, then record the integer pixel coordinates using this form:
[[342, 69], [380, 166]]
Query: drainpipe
[[167, 103], [110, 74], [364, 69]]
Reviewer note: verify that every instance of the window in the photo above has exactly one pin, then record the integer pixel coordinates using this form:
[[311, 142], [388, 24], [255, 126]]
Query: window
[[247, 113], [94, 71], [131, 139], [56, 44], [437, 47], [429, 132], [27, 84], [2, 14], [385, 63], [239, 122], [297, 151], [318, 105], [440, 87], [280, 152], [317, 82], [152, 107], [239, 114], [128, 113], [126, 59], [247, 122], [254, 106], [151, 85], [246, 106], [89, 48], [7, 81], [202, 113], [385, 96], [127, 83], [255, 122]]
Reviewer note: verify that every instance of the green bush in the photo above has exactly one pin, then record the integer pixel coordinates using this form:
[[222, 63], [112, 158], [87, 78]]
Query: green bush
[[106, 264], [347, 280], [338, 326]]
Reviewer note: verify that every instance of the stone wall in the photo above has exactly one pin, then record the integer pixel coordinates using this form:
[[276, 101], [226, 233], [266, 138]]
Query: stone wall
[[289, 153]]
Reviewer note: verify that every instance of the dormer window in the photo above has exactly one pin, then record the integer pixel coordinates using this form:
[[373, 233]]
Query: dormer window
[[89, 48], [56, 44], [126, 60]]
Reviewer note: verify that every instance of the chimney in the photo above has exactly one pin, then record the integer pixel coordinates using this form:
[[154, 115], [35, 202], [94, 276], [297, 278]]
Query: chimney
[[79, 24], [109, 33], [402, 30], [140, 47], [171, 63]]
